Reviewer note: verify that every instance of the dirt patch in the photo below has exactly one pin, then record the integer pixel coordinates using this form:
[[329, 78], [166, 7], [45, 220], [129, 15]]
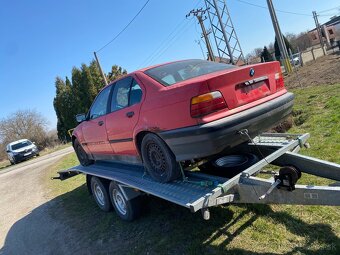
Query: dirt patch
[[324, 70]]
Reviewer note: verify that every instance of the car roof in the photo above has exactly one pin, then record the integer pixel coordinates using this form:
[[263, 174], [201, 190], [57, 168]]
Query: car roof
[[18, 141]]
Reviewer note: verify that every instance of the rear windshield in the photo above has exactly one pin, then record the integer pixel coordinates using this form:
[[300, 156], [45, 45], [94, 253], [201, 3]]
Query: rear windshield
[[20, 145], [172, 73]]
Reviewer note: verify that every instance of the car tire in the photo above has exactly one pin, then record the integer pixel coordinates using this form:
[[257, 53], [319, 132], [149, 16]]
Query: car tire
[[100, 194], [81, 154], [158, 159], [127, 210], [229, 165]]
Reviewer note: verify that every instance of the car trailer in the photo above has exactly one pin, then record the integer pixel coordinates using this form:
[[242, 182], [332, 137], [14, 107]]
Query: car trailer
[[124, 184]]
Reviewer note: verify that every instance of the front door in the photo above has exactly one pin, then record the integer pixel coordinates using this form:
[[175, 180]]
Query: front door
[[94, 130]]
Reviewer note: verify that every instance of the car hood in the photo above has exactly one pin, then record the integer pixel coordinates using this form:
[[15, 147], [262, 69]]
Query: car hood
[[25, 148]]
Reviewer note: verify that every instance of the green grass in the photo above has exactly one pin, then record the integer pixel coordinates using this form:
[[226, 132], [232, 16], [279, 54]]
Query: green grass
[[235, 229]]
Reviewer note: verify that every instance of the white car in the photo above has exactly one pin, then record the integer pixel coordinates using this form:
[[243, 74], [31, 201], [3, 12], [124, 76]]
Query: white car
[[20, 150]]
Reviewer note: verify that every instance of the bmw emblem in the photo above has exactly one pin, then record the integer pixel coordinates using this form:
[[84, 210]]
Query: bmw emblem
[[251, 72]]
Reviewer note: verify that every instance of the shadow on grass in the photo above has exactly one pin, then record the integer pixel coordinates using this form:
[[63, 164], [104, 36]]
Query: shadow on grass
[[72, 224]]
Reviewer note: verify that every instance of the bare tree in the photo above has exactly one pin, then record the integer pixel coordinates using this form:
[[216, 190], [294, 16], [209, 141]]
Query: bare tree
[[299, 41], [27, 124], [254, 56]]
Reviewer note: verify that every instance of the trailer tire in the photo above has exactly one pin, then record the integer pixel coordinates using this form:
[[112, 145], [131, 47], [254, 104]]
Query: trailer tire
[[81, 154], [127, 210], [100, 194], [158, 159]]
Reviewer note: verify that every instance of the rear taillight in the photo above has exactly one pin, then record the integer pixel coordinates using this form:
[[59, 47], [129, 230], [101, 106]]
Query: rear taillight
[[279, 81], [207, 103]]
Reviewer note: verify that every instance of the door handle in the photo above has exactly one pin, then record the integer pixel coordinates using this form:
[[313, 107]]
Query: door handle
[[100, 123], [130, 114]]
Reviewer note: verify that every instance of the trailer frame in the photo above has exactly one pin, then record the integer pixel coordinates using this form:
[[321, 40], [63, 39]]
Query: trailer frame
[[197, 191]]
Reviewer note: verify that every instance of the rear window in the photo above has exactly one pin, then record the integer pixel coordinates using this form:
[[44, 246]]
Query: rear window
[[173, 73]]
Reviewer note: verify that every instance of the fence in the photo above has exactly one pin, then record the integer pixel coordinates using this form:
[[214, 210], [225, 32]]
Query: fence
[[311, 54]]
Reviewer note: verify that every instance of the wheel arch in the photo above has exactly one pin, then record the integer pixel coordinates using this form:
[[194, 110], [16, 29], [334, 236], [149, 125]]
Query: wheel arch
[[138, 141]]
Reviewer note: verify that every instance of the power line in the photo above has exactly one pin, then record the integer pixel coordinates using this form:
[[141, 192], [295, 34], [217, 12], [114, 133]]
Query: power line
[[125, 26], [338, 7], [163, 43], [160, 48], [277, 10], [171, 41]]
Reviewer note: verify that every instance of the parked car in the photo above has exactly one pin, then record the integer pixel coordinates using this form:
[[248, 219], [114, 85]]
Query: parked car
[[180, 111], [295, 59], [20, 150]]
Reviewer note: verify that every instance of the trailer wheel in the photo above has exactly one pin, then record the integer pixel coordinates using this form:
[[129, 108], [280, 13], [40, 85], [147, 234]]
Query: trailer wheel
[[81, 154], [158, 159], [100, 194], [126, 209]]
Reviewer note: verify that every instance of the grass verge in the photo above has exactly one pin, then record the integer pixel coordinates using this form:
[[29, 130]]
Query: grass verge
[[235, 229]]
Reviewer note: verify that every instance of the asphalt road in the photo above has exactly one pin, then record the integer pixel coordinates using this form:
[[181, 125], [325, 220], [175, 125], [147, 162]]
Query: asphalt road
[[25, 225]]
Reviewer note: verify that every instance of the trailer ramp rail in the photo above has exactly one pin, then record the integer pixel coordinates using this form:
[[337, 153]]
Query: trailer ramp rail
[[277, 149]]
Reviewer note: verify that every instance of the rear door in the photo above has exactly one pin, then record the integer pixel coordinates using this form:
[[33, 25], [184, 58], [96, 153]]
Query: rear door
[[125, 106], [94, 130]]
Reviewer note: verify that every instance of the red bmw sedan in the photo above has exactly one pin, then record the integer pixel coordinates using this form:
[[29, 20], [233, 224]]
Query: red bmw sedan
[[186, 110]]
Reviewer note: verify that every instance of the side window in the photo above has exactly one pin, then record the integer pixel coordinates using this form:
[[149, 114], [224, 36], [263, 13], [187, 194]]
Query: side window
[[126, 92], [135, 93], [120, 94], [99, 107]]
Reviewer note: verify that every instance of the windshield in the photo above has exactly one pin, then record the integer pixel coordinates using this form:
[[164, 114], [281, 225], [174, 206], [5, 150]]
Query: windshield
[[172, 73], [20, 145]]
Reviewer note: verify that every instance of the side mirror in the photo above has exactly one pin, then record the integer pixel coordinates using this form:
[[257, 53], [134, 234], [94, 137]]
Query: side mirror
[[33, 142], [80, 117], [8, 151]]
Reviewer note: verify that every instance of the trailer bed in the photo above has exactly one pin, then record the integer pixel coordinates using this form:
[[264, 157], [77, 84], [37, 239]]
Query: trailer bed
[[181, 192], [198, 191]]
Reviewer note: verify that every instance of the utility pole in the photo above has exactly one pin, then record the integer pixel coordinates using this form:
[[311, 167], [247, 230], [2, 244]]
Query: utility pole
[[318, 28], [279, 37], [226, 40], [198, 14], [100, 68]]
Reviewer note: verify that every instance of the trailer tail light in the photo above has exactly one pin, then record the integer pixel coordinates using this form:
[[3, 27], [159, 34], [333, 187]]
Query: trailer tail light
[[207, 103], [279, 81]]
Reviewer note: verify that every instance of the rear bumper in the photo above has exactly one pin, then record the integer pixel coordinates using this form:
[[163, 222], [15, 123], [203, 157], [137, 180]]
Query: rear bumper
[[211, 138]]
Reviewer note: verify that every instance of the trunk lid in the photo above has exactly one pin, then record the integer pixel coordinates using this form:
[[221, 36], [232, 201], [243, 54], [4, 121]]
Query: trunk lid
[[246, 84]]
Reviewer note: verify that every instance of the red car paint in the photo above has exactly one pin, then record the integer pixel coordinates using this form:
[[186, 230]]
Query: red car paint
[[164, 108]]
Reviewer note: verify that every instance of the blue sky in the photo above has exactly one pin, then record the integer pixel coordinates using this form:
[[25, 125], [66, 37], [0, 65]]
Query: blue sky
[[43, 39]]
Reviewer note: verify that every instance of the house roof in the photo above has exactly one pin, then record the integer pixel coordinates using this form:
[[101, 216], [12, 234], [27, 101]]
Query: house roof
[[335, 20]]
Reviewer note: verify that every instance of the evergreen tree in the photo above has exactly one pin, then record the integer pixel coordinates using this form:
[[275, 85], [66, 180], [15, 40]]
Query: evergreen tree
[[277, 49], [76, 95], [116, 72], [265, 55]]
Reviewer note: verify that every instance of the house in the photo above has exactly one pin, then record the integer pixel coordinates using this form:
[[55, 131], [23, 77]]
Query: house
[[330, 32]]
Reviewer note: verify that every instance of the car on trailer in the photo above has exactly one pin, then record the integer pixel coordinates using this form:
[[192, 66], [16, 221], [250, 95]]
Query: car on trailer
[[181, 111]]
